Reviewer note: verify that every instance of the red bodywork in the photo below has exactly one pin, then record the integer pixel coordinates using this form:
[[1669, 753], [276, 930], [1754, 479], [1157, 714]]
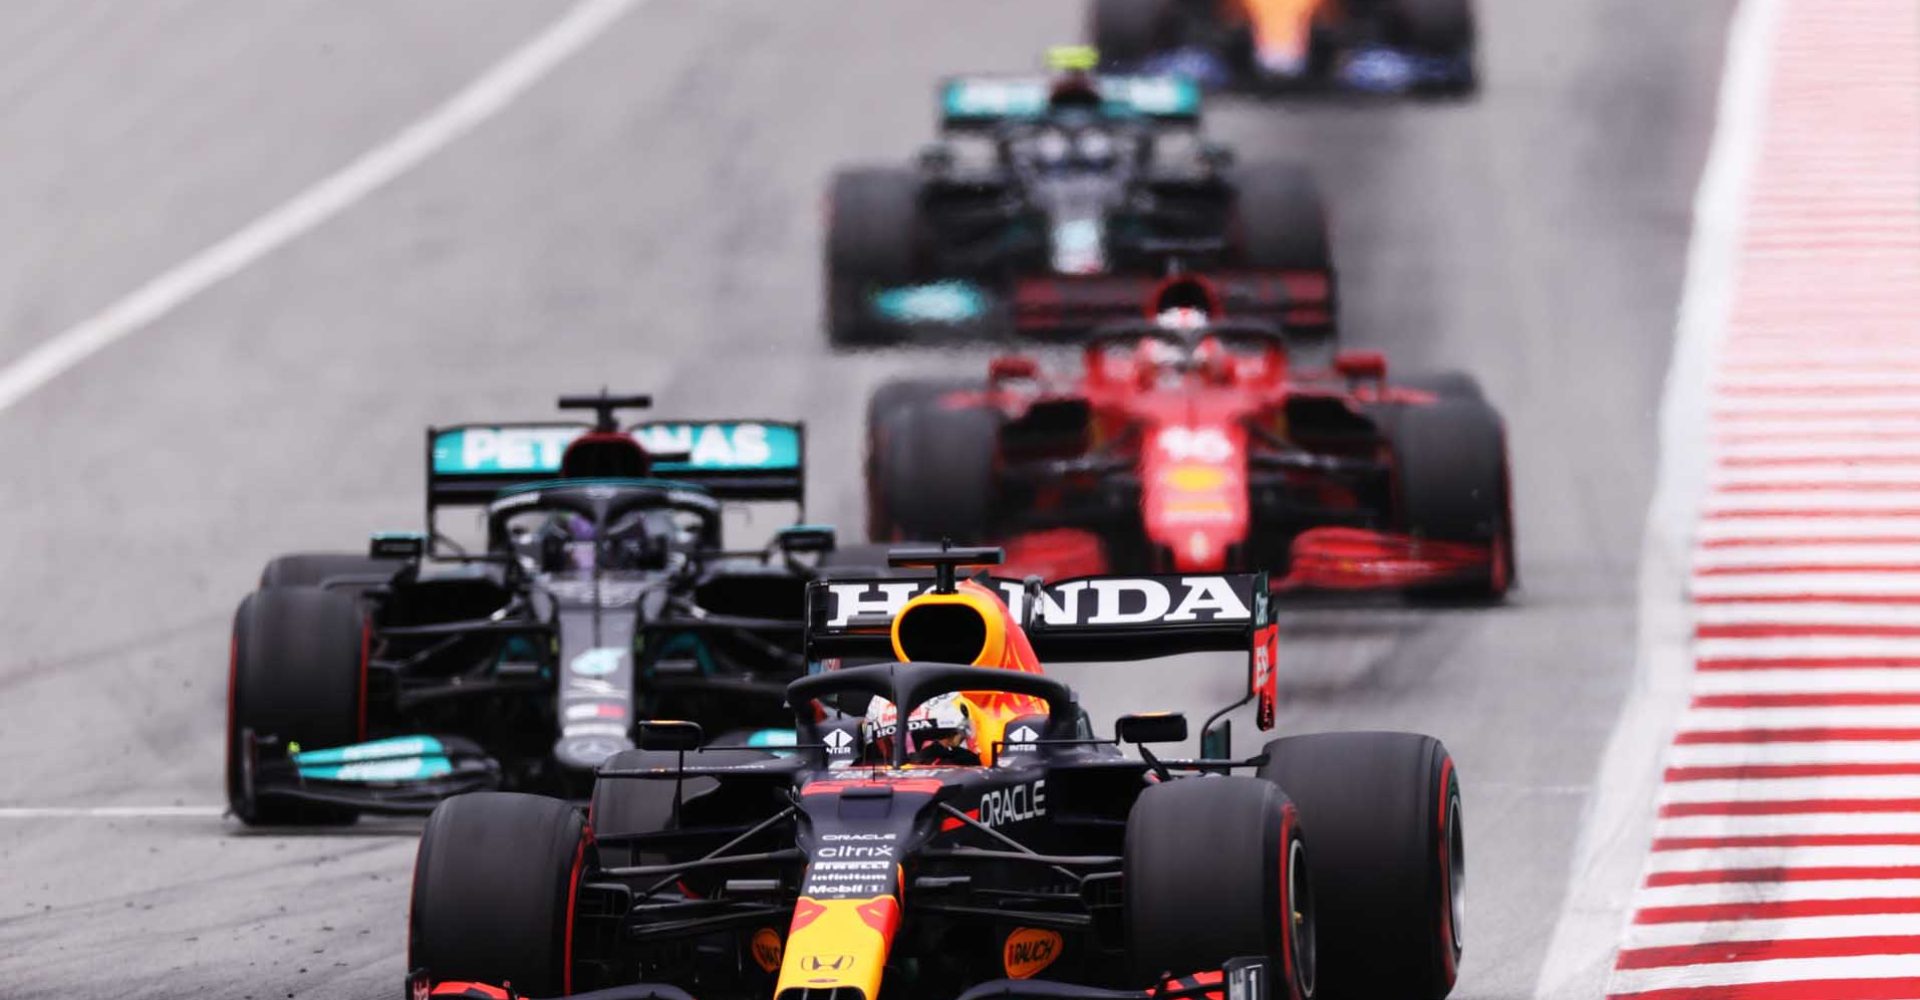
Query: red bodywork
[[1204, 435]]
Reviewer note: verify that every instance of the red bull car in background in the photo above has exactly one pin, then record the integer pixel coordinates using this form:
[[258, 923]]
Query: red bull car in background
[[1051, 205], [948, 826], [1188, 443], [1267, 46]]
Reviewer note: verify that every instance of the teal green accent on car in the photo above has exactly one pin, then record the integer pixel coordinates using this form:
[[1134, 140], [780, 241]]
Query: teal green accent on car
[[940, 302], [988, 98], [770, 738], [400, 758], [711, 446], [979, 100], [722, 445]]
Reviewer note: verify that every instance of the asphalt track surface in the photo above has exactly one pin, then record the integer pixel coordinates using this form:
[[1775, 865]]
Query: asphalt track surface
[[648, 217]]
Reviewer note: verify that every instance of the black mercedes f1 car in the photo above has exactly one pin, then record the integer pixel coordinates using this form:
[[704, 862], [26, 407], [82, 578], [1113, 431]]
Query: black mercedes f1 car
[[602, 593], [1049, 206], [948, 825]]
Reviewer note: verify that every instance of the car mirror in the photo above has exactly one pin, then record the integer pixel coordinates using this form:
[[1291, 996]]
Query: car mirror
[[1152, 727], [819, 538], [667, 734], [397, 545], [1361, 365], [1012, 366]]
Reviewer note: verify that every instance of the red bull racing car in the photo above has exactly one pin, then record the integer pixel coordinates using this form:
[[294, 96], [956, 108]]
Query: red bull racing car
[[948, 825], [1188, 443]]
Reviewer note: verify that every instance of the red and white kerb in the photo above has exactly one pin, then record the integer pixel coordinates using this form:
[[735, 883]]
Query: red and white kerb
[[1786, 858]]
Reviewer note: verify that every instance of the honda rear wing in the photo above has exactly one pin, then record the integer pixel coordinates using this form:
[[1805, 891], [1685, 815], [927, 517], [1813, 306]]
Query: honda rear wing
[[757, 460], [1084, 619]]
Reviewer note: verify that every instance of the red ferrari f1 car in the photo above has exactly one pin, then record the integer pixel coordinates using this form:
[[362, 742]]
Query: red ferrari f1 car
[[1188, 443]]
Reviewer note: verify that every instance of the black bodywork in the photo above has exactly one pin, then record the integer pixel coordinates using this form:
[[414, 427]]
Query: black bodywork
[[1048, 220], [523, 666], [698, 851]]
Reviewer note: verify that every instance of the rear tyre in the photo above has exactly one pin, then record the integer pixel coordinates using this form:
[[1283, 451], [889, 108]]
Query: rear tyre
[[1215, 868], [873, 241], [883, 410], [1128, 32], [1453, 486], [935, 475], [1282, 219], [493, 887], [298, 674], [1389, 858], [311, 569], [1433, 27], [1446, 385]]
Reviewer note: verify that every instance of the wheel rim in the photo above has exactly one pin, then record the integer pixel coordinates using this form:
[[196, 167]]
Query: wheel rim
[[1456, 871], [1301, 930]]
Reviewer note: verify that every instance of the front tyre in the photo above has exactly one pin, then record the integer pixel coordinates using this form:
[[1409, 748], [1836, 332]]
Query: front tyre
[[1129, 32], [934, 472], [1216, 868], [298, 674], [493, 892], [1452, 485], [873, 242], [1389, 858]]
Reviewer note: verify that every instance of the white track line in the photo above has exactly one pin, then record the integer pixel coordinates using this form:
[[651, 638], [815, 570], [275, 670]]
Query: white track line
[[1717, 893], [486, 96], [1888, 680], [1809, 645], [1779, 527], [1790, 929], [1821, 752], [1783, 789], [1794, 584], [1776, 971], [1784, 857], [112, 812], [1798, 716], [1801, 825], [1616, 826], [1808, 613]]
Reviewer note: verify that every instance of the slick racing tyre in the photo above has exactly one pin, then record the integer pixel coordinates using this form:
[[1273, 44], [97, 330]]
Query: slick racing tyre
[[1216, 868], [1281, 219], [873, 226], [934, 475], [1450, 462], [883, 410], [311, 569], [298, 676], [1446, 385], [1389, 858], [1432, 27], [493, 887], [1128, 32]]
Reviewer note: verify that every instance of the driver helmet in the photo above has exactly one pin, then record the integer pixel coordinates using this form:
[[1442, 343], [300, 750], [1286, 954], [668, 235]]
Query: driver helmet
[[939, 731], [1185, 319]]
